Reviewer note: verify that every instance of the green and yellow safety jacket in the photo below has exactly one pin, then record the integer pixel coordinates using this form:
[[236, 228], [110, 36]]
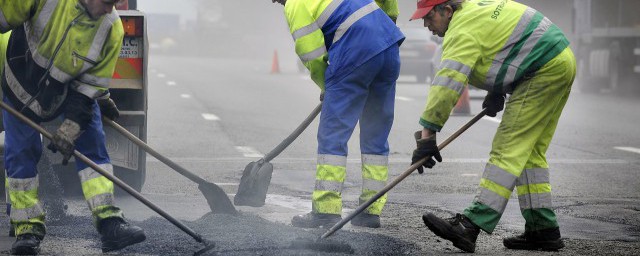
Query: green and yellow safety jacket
[[59, 60], [492, 45], [390, 7], [4, 41]]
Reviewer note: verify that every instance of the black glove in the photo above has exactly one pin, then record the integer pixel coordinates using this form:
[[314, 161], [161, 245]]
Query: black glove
[[63, 139], [494, 103], [425, 148], [109, 109]]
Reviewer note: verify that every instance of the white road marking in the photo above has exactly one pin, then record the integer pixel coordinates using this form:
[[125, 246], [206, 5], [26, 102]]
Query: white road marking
[[161, 75], [227, 184], [210, 117], [492, 119], [400, 98], [629, 149], [469, 175], [171, 83], [186, 96], [248, 151]]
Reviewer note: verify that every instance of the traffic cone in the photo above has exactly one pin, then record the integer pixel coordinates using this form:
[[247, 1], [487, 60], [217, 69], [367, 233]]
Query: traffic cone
[[275, 66], [462, 108]]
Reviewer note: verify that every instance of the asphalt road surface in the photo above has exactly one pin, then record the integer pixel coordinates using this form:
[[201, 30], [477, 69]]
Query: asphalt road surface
[[214, 116]]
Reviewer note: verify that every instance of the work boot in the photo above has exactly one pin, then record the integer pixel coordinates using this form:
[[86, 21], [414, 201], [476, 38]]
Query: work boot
[[315, 220], [546, 240], [26, 244], [459, 230], [116, 234], [366, 220]]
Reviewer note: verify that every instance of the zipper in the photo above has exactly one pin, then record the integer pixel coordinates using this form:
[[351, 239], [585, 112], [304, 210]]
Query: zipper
[[77, 56]]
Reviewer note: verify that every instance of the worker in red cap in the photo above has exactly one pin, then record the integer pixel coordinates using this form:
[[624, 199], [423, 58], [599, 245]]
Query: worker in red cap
[[503, 47]]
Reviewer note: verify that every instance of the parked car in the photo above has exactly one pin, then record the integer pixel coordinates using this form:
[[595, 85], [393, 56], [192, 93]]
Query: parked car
[[417, 53]]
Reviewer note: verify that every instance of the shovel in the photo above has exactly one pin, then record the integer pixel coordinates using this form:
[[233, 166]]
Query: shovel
[[216, 197], [79, 156], [256, 176], [405, 174]]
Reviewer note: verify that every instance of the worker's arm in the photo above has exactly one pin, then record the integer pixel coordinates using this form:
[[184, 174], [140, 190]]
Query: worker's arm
[[14, 13], [390, 7], [460, 53], [309, 40], [94, 83]]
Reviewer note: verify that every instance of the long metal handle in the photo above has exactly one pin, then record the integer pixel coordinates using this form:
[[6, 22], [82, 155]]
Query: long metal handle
[[397, 180], [154, 153], [286, 142], [108, 175]]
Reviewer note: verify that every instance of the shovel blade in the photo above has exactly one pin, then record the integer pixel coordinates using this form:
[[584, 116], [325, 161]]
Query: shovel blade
[[254, 184], [217, 198]]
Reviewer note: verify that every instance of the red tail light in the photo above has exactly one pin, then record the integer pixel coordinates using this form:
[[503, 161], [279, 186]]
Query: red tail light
[[133, 26]]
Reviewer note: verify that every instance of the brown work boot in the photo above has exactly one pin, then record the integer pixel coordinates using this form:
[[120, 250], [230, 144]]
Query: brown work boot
[[366, 220], [545, 240], [459, 230], [315, 220]]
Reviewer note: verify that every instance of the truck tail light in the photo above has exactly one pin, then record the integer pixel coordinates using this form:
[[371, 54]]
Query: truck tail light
[[133, 26]]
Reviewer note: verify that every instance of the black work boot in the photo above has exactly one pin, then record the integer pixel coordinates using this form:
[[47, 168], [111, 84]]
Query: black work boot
[[459, 230], [366, 220], [26, 244], [314, 220], [116, 234], [546, 240]]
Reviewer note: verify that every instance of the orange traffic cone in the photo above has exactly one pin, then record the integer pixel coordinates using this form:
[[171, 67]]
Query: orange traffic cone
[[275, 66], [462, 108]]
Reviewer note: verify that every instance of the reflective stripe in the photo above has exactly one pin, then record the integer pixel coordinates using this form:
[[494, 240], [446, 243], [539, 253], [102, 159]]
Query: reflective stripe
[[94, 80], [535, 201], [100, 200], [374, 185], [99, 39], [328, 185], [26, 213], [534, 176], [379, 160], [534, 189], [324, 17], [35, 31], [526, 18], [449, 83], [88, 173], [353, 18], [457, 66], [313, 54], [499, 176], [4, 25], [526, 49], [303, 31], [332, 160], [54, 72], [492, 200], [20, 93], [87, 90], [22, 184]]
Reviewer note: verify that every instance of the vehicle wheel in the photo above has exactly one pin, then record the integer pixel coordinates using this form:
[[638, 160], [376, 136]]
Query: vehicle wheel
[[134, 178]]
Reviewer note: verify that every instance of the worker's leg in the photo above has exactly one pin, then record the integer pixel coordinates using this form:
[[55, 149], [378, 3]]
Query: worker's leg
[[343, 103], [375, 125], [533, 104], [22, 151], [97, 189]]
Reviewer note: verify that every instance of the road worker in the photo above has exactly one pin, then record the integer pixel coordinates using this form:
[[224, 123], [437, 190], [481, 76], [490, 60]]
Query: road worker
[[351, 49], [59, 61], [505, 48], [390, 7]]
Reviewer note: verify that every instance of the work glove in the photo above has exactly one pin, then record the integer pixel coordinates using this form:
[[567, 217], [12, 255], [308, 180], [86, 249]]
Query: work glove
[[109, 109], [426, 147], [494, 103], [64, 138]]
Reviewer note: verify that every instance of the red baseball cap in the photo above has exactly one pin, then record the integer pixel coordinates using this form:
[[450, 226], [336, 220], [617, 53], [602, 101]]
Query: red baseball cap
[[424, 7]]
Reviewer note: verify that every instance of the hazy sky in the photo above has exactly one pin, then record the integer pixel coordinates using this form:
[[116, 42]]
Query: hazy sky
[[185, 8]]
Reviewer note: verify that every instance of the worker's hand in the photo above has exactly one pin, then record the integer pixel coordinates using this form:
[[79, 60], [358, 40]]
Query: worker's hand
[[426, 147], [494, 103], [63, 139], [109, 109]]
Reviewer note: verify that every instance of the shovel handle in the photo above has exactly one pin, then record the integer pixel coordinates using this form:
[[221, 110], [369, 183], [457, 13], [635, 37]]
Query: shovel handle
[[108, 175], [154, 153], [286, 142], [405, 174]]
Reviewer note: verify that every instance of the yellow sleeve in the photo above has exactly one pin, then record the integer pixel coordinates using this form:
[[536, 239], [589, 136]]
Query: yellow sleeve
[[390, 7], [15, 12], [4, 41]]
